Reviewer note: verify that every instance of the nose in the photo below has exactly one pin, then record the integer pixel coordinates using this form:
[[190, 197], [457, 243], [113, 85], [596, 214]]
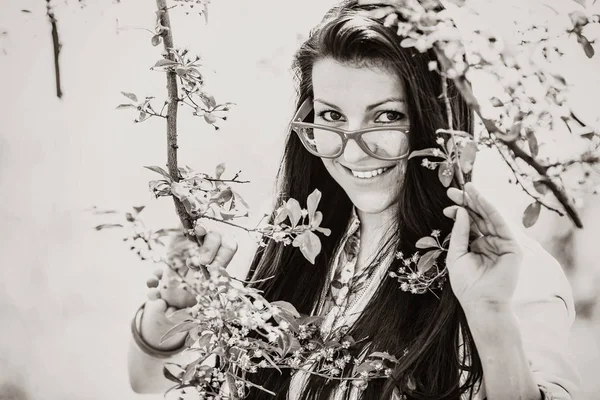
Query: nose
[[353, 154]]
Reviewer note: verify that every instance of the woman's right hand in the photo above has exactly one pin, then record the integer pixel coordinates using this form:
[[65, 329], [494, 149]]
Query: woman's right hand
[[168, 294]]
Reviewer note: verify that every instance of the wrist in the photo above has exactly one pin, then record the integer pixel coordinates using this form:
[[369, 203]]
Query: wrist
[[153, 347]]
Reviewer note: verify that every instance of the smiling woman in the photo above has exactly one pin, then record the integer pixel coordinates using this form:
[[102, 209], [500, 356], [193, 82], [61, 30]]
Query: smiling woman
[[364, 102]]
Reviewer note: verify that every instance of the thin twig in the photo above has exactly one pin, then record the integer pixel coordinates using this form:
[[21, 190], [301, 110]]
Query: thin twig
[[519, 181], [56, 47], [464, 87]]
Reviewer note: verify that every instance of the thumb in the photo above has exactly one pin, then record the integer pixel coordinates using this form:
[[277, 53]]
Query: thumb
[[459, 241]]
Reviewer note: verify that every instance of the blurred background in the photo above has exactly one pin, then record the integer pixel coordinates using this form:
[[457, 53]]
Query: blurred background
[[67, 292]]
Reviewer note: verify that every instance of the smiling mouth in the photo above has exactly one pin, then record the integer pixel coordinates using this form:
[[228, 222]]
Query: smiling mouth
[[367, 175]]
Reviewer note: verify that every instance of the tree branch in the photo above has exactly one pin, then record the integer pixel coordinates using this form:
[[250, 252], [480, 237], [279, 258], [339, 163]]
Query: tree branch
[[167, 35], [56, 46], [463, 85]]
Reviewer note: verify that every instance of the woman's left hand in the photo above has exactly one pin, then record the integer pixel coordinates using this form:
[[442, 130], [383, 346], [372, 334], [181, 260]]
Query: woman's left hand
[[486, 273]]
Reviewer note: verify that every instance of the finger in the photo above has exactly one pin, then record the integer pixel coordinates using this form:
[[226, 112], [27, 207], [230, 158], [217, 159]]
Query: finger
[[153, 294], [226, 252], [476, 222], [462, 198], [152, 282], [170, 310], [497, 223], [158, 306], [208, 251], [158, 272], [459, 241], [456, 195]]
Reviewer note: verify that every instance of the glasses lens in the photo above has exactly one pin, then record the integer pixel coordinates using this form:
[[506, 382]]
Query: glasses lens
[[321, 141], [387, 144]]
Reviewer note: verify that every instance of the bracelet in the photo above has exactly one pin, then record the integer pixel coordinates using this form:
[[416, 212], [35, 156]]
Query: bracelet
[[145, 347]]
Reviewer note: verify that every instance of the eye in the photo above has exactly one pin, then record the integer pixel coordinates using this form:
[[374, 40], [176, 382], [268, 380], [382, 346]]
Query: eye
[[390, 116], [331, 116]]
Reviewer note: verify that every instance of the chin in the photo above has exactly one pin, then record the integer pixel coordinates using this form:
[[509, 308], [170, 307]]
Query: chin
[[374, 203]]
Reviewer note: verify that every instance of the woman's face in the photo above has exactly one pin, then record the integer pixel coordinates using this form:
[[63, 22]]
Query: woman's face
[[352, 98]]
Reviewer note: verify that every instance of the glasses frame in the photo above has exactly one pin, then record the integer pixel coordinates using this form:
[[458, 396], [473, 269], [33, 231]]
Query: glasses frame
[[307, 107]]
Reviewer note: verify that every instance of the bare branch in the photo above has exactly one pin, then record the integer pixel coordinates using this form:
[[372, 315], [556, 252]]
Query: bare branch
[[56, 46]]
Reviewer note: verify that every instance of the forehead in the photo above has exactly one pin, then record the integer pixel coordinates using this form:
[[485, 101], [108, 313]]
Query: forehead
[[347, 85]]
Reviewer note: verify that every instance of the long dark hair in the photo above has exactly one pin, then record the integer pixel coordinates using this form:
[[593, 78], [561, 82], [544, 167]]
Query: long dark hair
[[431, 327]]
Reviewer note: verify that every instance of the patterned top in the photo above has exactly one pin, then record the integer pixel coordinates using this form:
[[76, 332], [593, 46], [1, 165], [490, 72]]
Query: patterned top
[[545, 312]]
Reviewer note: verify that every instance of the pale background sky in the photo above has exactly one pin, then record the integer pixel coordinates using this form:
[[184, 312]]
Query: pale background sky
[[67, 293]]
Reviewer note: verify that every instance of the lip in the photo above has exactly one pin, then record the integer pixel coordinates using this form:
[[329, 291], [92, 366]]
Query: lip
[[366, 181], [363, 169]]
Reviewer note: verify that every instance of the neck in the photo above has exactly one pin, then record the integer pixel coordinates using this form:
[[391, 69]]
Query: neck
[[374, 226]]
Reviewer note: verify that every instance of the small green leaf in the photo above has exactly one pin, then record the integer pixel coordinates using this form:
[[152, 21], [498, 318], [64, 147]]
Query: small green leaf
[[163, 62], [159, 170], [446, 173], [122, 106], [294, 211], [312, 202], [468, 153], [427, 260], [533, 144], [219, 170], [587, 46], [282, 214], [431, 152], [426, 243], [232, 387], [540, 187], [130, 96], [287, 307], [384, 355], [531, 214], [106, 226], [156, 40], [309, 244], [177, 329]]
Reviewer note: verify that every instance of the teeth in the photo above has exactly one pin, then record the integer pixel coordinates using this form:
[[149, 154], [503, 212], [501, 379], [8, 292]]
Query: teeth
[[369, 174]]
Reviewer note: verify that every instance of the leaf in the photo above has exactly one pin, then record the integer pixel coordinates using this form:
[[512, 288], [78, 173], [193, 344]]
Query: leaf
[[587, 46], [121, 106], [287, 307], [156, 40], [541, 187], [208, 100], [426, 261], [232, 387], [312, 202], [159, 170], [467, 156], [533, 144], [130, 96], [219, 170], [165, 63], [431, 152], [282, 214], [177, 329], [310, 320], [384, 355], [309, 244], [294, 211], [426, 243], [446, 173], [270, 360], [205, 12], [106, 226], [190, 369], [531, 214], [172, 375]]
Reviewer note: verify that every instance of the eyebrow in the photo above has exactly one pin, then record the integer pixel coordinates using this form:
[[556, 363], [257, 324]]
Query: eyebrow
[[369, 107]]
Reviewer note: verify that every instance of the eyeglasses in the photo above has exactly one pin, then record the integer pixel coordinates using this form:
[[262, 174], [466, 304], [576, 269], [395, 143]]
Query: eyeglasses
[[388, 143]]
